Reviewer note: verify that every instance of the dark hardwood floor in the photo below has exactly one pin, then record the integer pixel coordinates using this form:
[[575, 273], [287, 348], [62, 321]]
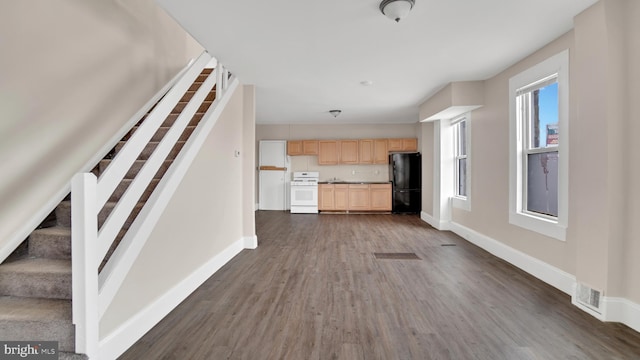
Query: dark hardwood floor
[[314, 289]]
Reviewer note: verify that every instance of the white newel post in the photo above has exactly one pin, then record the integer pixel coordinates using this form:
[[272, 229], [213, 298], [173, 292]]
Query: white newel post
[[84, 234], [225, 78], [219, 81]]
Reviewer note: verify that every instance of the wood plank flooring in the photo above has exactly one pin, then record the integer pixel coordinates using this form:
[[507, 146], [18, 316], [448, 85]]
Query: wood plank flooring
[[313, 289]]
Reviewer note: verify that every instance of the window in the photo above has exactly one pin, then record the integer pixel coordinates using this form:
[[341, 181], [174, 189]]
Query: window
[[538, 113], [538, 157], [461, 163]]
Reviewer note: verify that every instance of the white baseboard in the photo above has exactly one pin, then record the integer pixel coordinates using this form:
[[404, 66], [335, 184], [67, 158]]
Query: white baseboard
[[116, 343], [437, 224], [614, 309], [553, 276], [250, 242], [623, 311]]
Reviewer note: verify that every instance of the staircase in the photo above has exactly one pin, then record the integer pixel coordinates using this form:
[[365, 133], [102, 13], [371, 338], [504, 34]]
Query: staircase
[[35, 281]]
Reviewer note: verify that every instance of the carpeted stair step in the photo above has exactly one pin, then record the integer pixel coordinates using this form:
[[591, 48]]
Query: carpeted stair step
[[29, 319], [51, 243], [108, 207], [189, 94], [64, 211], [135, 168], [124, 184], [171, 119], [151, 146], [71, 356], [34, 277], [63, 214], [182, 104], [162, 131]]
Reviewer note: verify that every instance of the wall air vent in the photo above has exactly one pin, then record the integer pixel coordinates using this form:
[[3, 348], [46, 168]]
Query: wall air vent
[[589, 297]]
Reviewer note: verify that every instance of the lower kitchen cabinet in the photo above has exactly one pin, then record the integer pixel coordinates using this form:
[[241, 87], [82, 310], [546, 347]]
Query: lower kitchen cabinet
[[380, 195], [359, 197], [341, 199], [326, 197], [354, 197]]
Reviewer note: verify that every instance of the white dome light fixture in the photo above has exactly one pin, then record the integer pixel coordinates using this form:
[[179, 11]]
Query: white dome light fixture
[[396, 10], [335, 113]]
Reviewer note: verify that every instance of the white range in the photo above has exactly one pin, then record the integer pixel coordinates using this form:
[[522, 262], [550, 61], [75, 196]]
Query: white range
[[304, 192]]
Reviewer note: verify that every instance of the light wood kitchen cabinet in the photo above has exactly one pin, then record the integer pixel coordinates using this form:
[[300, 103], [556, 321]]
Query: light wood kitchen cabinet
[[366, 151], [326, 195], [359, 197], [380, 152], [328, 152], [348, 151], [394, 145], [341, 197], [408, 144], [354, 197], [310, 147], [380, 195], [294, 147]]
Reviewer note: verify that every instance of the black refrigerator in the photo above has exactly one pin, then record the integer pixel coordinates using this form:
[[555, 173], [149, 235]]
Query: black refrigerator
[[405, 172]]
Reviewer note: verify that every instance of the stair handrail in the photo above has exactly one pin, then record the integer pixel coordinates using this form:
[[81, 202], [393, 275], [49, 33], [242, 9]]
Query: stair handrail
[[93, 291], [121, 164]]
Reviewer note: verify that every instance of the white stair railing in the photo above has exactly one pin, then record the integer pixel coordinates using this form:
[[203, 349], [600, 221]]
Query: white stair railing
[[94, 291]]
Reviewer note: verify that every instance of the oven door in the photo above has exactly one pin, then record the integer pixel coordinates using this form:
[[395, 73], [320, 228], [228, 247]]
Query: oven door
[[304, 195]]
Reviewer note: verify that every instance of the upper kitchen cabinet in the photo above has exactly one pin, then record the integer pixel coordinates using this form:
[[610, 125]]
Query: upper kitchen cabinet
[[366, 151], [310, 147], [302, 147], [408, 144], [294, 147], [349, 151], [328, 152], [380, 152]]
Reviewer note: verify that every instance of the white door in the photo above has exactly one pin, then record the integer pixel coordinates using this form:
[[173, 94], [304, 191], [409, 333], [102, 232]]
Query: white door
[[273, 183]]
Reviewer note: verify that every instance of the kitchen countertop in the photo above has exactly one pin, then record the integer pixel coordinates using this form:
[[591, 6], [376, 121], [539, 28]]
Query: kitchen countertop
[[354, 182]]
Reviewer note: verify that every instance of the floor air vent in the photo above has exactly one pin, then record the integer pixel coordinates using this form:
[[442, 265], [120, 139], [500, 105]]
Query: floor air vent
[[396, 256], [589, 297]]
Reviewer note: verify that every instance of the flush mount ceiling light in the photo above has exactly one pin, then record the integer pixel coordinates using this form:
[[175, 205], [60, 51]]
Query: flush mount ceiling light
[[335, 113], [396, 9]]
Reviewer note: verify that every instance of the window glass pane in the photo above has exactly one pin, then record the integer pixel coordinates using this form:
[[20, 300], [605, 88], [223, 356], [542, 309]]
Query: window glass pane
[[542, 183], [462, 137], [543, 124], [462, 177]]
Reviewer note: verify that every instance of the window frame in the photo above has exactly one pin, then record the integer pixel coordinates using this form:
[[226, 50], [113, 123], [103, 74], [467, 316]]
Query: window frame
[[555, 227], [457, 200]]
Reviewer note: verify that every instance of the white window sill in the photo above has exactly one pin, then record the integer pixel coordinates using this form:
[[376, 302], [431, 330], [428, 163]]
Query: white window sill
[[461, 203], [540, 225]]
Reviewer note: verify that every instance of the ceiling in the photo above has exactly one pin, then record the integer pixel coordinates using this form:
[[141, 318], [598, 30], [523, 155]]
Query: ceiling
[[308, 57]]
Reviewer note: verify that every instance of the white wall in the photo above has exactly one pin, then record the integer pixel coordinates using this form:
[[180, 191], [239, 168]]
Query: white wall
[[601, 247], [71, 74], [631, 279]]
